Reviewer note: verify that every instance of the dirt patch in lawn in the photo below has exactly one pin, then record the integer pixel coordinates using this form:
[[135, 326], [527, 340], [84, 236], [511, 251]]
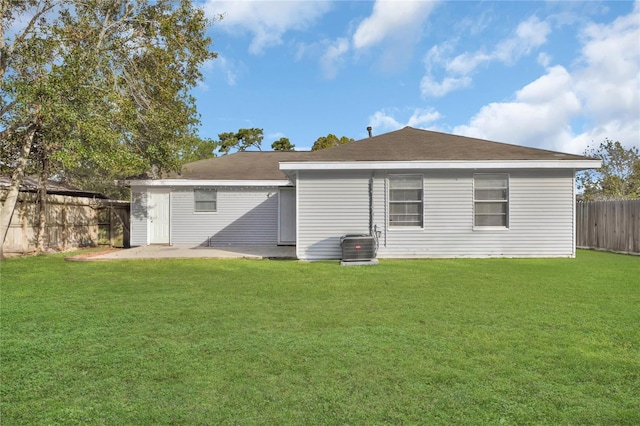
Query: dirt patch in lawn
[[90, 256]]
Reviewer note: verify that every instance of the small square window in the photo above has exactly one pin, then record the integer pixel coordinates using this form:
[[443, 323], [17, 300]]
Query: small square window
[[205, 200]]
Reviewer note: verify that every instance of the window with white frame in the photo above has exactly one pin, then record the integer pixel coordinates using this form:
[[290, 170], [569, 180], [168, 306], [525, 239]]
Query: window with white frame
[[405, 201], [491, 199], [205, 200]]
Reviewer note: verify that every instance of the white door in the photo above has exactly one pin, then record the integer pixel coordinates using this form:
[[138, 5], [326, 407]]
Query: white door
[[158, 217], [287, 216]]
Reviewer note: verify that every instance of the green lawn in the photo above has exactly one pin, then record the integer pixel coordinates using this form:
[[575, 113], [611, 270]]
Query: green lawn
[[495, 341]]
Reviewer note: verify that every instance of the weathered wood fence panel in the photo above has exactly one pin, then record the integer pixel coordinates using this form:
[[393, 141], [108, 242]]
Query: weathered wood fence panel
[[70, 222], [609, 225], [113, 224]]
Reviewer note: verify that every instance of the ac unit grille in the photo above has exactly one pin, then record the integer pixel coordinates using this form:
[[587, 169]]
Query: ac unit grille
[[358, 247]]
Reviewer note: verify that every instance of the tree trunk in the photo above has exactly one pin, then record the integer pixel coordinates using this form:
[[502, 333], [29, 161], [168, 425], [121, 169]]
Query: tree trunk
[[42, 202], [10, 201]]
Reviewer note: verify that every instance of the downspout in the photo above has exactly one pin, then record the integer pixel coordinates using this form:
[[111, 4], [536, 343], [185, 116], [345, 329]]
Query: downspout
[[575, 207], [373, 231], [369, 128], [371, 204], [372, 228]]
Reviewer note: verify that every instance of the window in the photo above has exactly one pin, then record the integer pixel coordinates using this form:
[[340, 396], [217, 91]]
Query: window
[[405, 201], [491, 199], [205, 200]]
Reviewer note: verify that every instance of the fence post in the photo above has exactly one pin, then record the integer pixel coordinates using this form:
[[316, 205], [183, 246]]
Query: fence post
[[111, 229], [65, 225]]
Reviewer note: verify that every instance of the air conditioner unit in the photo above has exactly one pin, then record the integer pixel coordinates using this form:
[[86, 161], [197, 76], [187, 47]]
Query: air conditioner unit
[[358, 248]]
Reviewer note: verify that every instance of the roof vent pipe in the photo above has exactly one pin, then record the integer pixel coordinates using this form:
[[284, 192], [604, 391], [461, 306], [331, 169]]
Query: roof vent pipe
[[369, 130]]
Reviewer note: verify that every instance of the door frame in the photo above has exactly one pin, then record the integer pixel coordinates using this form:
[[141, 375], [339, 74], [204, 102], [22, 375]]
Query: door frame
[[149, 224], [295, 219]]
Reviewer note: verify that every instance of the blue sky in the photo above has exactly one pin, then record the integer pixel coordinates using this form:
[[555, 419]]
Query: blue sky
[[558, 75]]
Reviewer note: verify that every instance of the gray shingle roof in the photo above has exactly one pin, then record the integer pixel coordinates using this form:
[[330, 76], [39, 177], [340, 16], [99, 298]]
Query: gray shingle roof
[[246, 165], [409, 144], [31, 184]]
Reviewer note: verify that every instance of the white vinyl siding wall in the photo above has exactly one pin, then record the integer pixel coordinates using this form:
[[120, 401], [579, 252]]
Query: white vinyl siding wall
[[138, 216], [330, 204], [244, 216], [540, 218], [540, 215]]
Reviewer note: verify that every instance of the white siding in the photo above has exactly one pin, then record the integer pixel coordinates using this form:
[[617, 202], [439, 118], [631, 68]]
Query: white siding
[[330, 205], [540, 215], [245, 216], [138, 219]]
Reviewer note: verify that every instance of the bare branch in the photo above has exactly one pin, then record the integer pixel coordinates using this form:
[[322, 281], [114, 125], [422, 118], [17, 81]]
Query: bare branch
[[6, 108], [7, 50]]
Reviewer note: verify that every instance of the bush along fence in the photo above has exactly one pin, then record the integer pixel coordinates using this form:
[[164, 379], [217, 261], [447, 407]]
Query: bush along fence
[[609, 225]]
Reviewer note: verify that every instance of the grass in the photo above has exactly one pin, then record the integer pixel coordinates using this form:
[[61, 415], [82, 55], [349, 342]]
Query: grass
[[466, 341]]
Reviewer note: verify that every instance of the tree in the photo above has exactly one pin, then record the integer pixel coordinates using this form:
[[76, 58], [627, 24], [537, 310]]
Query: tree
[[619, 176], [240, 140], [329, 141], [97, 84], [199, 149], [283, 144]]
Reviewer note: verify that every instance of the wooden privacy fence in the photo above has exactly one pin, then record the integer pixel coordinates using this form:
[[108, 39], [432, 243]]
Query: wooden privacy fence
[[609, 225], [71, 221], [113, 223]]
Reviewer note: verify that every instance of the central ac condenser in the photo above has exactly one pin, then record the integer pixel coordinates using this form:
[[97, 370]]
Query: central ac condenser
[[358, 248]]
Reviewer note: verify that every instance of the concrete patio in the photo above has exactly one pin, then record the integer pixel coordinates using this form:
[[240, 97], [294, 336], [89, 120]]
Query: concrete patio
[[197, 252]]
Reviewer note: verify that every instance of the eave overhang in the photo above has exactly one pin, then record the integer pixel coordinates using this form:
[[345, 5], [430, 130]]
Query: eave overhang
[[408, 165], [207, 182]]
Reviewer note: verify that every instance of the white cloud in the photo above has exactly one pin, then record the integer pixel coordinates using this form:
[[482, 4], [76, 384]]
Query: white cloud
[[544, 59], [394, 27], [467, 62], [220, 65], [397, 26], [267, 21], [384, 121], [391, 19], [333, 57], [539, 116], [430, 87], [438, 54], [529, 34], [602, 94], [610, 77], [422, 117], [609, 82], [547, 88]]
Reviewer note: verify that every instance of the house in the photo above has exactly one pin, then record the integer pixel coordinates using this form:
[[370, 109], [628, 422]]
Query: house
[[422, 193]]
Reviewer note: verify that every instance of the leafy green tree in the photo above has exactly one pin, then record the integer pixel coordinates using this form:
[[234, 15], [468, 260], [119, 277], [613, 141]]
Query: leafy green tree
[[241, 140], [98, 84], [199, 149], [283, 144], [228, 141], [329, 141], [619, 176]]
